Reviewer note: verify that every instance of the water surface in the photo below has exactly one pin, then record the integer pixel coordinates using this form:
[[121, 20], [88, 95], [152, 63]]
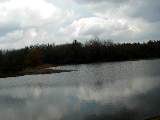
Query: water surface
[[106, 91]]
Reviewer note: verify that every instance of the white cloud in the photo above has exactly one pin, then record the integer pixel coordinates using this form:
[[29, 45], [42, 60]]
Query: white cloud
[[23, 22], [25, 37], [28, 13], [62, 21], [105, 28]]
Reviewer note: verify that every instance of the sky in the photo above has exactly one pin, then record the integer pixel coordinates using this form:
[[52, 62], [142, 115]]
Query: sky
[[29, 22]]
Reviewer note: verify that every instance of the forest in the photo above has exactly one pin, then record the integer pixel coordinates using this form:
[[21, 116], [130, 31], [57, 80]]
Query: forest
[[13, 61]]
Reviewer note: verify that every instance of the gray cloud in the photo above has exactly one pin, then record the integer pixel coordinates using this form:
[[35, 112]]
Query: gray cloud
[[146, 9], [4, 29], [99, 1], [46, 21]]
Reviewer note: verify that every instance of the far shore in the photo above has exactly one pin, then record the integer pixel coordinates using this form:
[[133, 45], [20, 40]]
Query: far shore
[[23, 61], [42, 69]]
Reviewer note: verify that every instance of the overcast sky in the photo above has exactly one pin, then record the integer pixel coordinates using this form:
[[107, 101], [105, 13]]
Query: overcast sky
[[26, 22]]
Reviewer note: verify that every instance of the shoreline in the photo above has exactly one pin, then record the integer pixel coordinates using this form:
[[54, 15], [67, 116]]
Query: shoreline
[[46, 68]]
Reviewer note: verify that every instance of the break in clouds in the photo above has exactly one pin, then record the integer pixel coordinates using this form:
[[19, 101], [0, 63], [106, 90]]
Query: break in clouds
[[27, 22]]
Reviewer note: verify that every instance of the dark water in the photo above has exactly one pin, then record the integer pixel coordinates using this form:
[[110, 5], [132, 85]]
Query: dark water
[[107, 91]]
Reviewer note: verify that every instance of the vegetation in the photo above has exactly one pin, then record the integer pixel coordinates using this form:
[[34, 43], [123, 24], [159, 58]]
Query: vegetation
[[13, 61]]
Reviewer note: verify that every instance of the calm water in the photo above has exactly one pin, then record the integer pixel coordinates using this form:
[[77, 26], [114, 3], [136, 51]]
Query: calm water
[[107, 91]]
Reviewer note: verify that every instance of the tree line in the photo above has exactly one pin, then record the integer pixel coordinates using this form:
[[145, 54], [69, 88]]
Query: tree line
[[12, 61]]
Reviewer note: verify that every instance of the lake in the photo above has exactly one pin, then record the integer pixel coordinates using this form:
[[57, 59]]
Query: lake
[[102, 91]]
